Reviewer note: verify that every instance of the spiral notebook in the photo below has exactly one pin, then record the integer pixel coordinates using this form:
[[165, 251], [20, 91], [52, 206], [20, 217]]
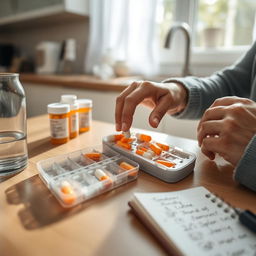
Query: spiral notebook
[[194, 222]]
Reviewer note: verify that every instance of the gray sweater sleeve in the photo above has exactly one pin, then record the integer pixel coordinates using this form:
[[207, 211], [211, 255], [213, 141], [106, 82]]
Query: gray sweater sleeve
[[235, 80]]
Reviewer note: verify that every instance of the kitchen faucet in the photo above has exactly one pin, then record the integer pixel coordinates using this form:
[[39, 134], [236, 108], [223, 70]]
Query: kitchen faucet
[[184, 27]]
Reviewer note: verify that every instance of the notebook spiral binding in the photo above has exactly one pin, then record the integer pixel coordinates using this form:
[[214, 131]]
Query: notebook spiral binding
[[221, 203]]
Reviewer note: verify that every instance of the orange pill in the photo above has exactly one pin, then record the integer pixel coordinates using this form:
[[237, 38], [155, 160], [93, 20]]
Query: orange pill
[[163, 146], [144, 154], [94, 156], [127, 140], [166, 163], [157, 150], [128, 167], [69, 199], [143, 137], [66, 188], [114, 137], [124, 145]]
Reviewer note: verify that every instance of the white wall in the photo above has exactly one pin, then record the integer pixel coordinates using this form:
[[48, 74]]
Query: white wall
[[38, 96]]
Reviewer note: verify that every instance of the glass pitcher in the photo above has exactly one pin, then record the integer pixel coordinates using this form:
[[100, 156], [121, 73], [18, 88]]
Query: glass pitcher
[[13, 129]]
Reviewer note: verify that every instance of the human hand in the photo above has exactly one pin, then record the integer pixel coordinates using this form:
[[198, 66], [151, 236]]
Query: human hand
[[161, 97], [227, 127]]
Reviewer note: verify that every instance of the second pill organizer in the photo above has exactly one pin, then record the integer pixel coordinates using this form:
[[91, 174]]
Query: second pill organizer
[[166, 162], [83, 174]]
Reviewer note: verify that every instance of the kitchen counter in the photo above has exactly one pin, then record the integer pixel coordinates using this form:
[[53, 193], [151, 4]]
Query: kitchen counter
[[33, 223], [79, 81]]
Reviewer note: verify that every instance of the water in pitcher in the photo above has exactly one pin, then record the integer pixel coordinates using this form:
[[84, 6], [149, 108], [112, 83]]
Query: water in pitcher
[[13, 152], [13, 130]]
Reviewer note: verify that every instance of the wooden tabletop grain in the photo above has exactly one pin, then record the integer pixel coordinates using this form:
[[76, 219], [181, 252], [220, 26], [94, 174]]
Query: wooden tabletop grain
[[32, 223]]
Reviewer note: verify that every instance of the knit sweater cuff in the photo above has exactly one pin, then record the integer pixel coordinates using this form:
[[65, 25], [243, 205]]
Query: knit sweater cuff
[[245, 172], [194, 97]]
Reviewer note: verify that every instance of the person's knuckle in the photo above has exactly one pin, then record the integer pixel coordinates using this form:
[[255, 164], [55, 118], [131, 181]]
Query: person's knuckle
[[119, 99]]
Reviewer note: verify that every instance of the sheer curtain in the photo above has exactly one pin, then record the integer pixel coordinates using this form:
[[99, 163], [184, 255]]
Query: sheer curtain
[[126, 28]]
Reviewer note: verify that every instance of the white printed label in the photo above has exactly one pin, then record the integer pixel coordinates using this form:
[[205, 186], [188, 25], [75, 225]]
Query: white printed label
[[74, 122], [85, 119], [59, 128]]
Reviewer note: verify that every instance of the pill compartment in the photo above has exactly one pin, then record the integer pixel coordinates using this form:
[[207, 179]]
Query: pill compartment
[[74, 177], [160, 159]]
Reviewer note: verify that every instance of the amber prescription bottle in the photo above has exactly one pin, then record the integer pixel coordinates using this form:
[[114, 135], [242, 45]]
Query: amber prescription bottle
[[59, 122], [74, 121], [85, 114]]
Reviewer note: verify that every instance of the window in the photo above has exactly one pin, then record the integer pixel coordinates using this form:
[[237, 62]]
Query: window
[[222, 23], [220, 28]]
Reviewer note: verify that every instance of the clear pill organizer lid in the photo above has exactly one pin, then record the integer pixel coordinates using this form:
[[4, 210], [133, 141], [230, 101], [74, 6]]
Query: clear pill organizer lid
[[75, 177], [183, 162]]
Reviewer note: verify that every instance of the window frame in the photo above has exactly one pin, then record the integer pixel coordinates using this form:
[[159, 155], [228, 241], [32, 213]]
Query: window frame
[[186, 11]]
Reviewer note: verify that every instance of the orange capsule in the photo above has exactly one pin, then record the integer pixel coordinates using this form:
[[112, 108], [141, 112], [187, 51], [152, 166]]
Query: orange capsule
[[157, 150], [66, 188], [165, 163], [127, 140], [94, 156], [163, 146], [144, 154], [124, 145], [128, 167], [143, 137], [115, 137], [100, 175]]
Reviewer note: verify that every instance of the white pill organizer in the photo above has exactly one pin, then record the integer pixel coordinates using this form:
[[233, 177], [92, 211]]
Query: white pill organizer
[[74, 177]]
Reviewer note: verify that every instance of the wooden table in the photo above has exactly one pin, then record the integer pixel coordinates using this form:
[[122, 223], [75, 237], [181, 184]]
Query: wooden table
[[32, 223]]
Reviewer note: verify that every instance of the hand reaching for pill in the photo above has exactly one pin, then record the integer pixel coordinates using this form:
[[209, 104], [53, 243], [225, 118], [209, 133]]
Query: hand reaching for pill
[[161, 97], [227, 127]]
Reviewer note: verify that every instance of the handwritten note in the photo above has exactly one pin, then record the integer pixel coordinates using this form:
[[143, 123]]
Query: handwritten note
[[198, 223]]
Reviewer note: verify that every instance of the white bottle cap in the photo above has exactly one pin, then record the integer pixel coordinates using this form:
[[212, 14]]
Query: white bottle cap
[[84, 103], [58, 108], [68, 98]]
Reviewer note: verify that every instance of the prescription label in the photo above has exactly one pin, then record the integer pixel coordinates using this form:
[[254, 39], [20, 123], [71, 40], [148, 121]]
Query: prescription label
[[59, 128], [74, 122], [85, 119]]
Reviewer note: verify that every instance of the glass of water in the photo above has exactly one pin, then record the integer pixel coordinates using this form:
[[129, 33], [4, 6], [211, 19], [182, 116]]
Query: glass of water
[[13, 129]]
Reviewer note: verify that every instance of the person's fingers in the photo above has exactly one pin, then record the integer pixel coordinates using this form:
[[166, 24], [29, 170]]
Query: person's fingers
[[214, 113], [215, 145], [120, 103], [226, 101], [130, 104], [159, 111], [209, 128]]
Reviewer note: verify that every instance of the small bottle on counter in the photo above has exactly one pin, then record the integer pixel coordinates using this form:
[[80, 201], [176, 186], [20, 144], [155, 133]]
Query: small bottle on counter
[[85, 114], [59, 122], [74, 118]]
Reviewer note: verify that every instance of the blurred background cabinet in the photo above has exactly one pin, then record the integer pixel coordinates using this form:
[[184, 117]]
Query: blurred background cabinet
[[15, 13]]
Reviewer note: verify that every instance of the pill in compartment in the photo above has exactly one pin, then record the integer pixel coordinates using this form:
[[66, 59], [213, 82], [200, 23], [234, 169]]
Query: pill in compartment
[[68, 191], [126, 167], [119, 174], [94, 156]]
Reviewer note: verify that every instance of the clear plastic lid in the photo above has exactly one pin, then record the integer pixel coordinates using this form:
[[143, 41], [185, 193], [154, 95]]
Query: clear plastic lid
[[58, 108]]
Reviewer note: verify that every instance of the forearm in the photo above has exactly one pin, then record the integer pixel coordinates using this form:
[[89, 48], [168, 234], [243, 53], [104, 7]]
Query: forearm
[[234, 80]]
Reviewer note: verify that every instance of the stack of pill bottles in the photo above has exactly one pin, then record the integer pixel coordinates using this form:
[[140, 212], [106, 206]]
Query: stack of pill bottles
[[69, 118]]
